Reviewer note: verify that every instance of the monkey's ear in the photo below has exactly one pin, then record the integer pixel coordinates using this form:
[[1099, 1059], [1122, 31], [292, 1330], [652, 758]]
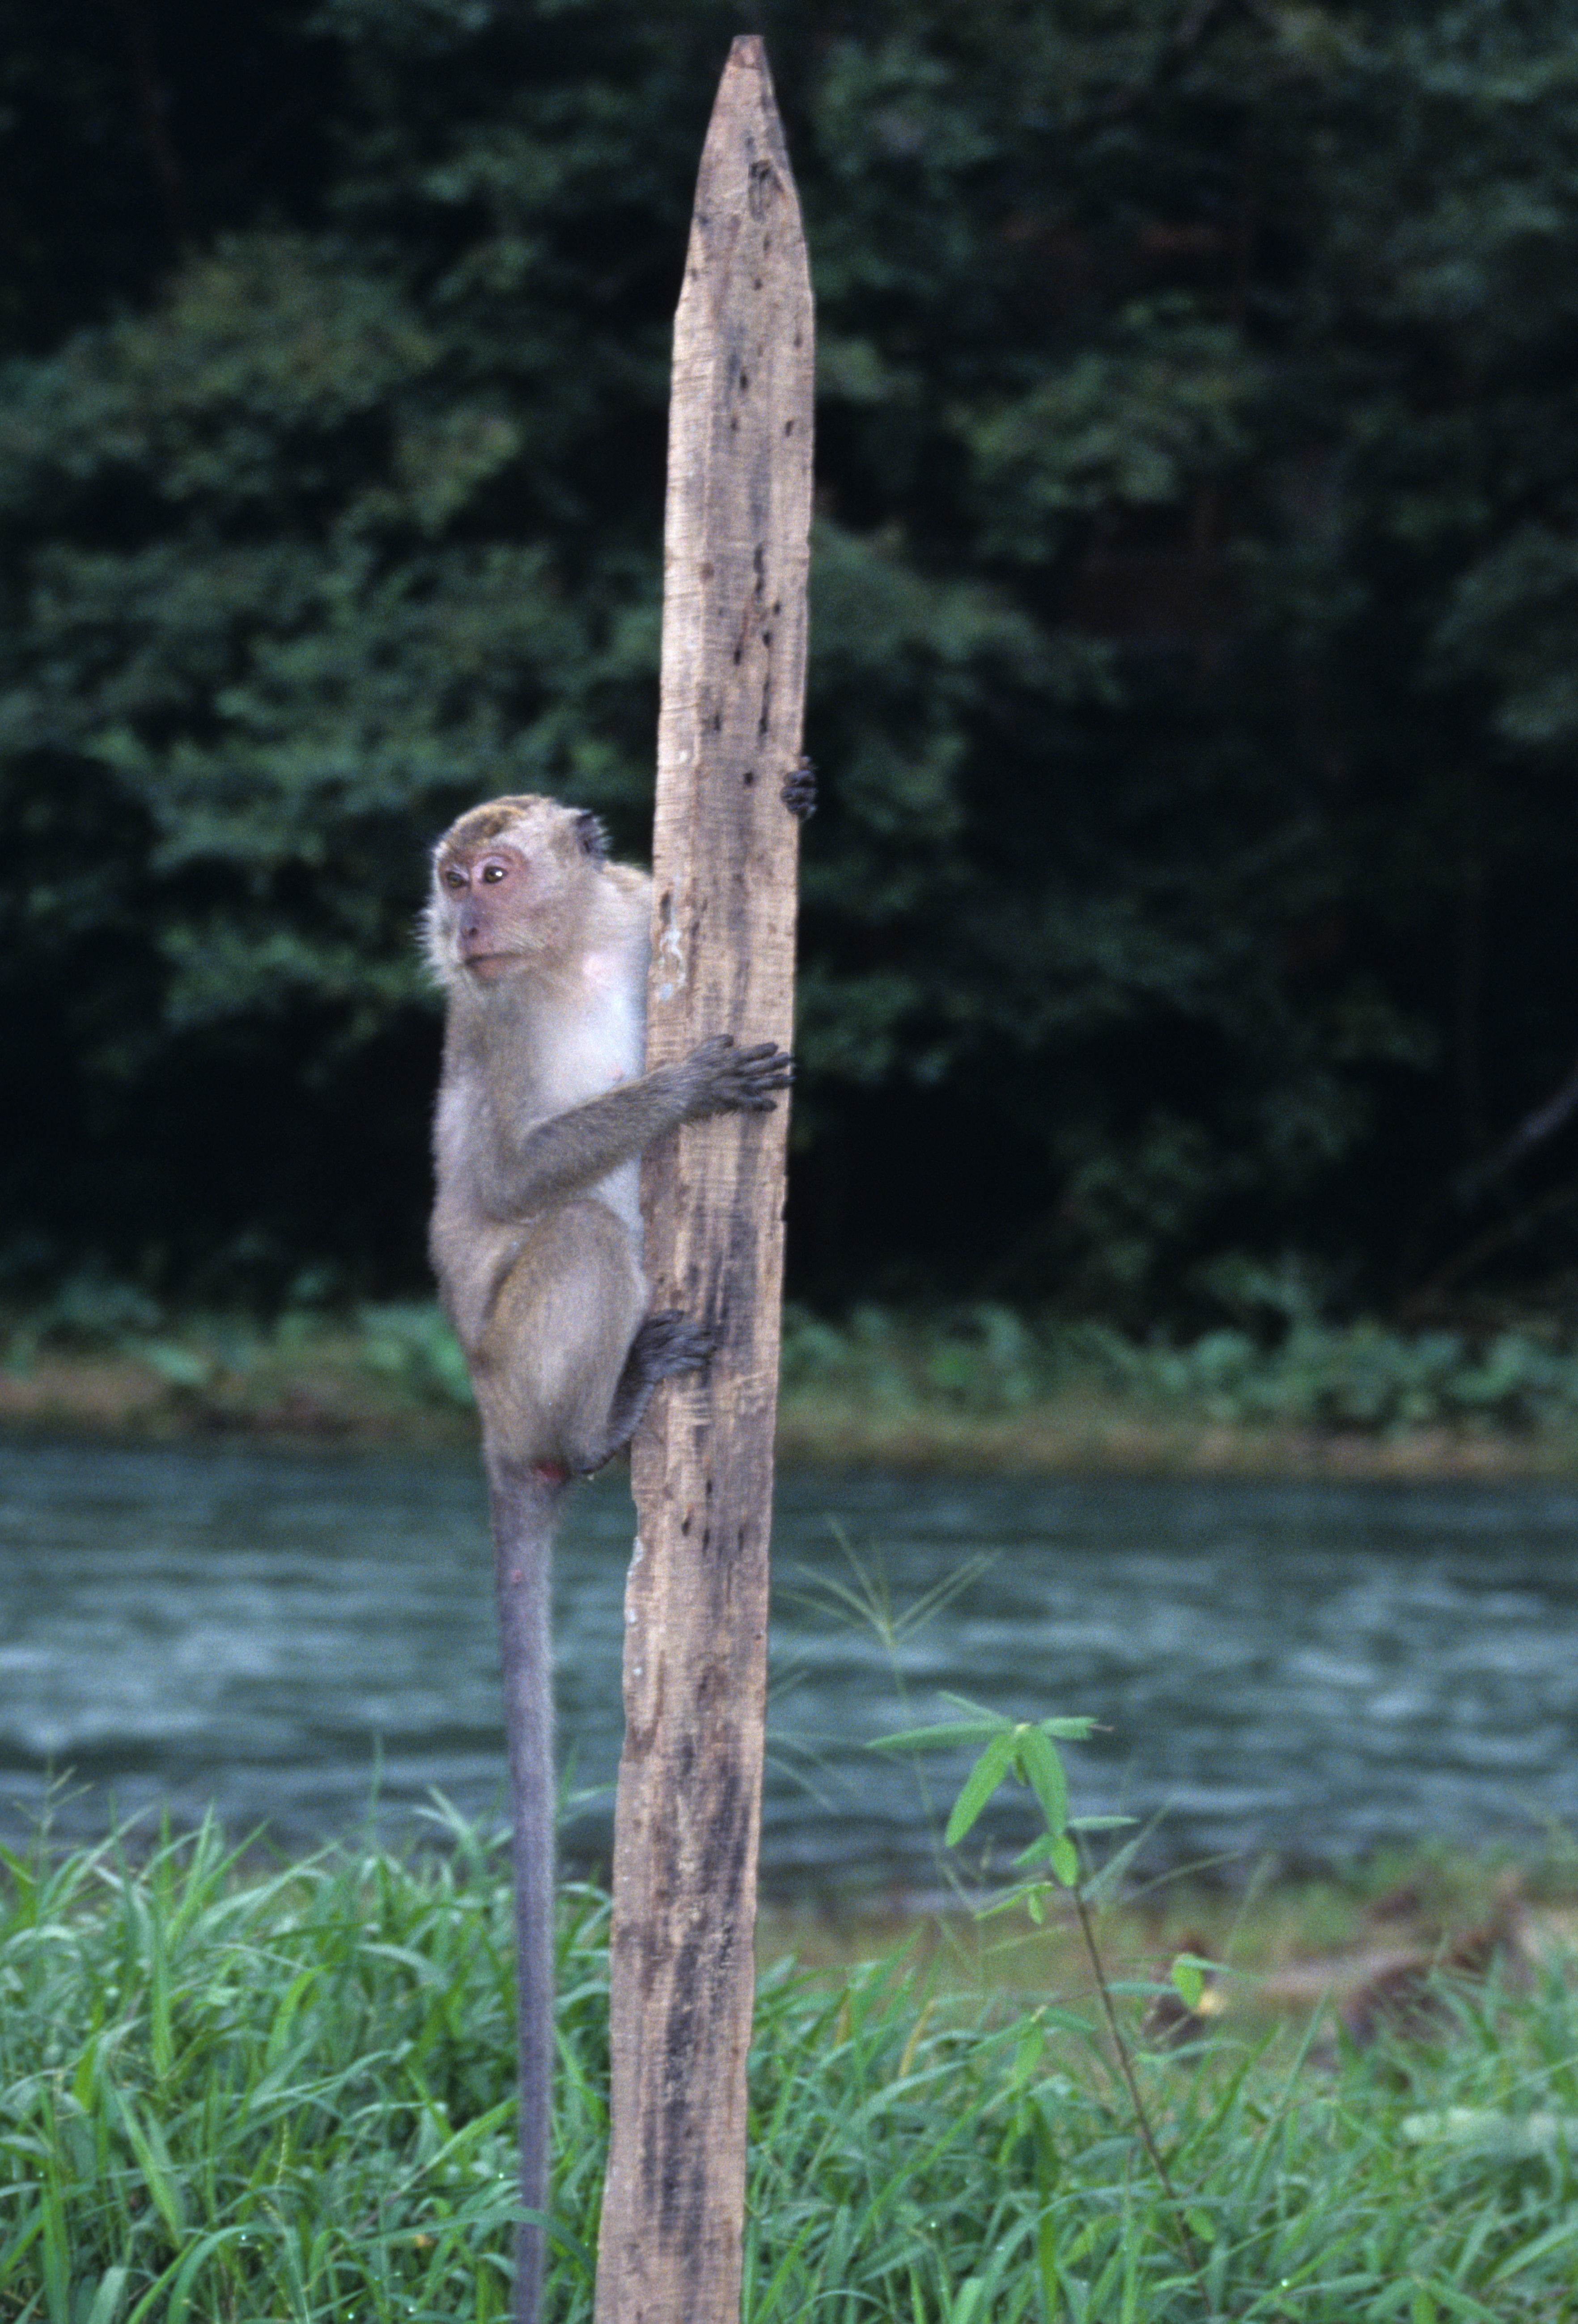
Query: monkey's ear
[[591, 837]]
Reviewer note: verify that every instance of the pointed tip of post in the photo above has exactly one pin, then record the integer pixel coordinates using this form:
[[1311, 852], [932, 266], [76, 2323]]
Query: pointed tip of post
[[748, 54], [745, 89]]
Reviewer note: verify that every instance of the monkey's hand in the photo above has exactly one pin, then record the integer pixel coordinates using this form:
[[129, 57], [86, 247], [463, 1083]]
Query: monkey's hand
[[730, 1079], [799, 789]]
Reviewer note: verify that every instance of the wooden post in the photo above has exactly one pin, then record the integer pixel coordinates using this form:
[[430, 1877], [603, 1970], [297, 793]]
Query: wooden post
[[724, 853]]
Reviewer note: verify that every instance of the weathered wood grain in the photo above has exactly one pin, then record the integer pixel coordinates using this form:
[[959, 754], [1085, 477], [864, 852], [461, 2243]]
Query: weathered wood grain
[[725, 849]]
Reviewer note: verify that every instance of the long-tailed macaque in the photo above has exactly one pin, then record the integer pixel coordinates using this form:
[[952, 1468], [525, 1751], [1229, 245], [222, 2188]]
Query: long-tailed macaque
[[543, 1112]]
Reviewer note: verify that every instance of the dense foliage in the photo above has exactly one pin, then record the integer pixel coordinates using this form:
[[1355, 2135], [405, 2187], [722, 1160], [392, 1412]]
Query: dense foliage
[[1195, 586]]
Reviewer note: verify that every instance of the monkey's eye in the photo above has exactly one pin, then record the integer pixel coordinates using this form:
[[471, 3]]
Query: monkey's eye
[[493, 874], [453, 878]]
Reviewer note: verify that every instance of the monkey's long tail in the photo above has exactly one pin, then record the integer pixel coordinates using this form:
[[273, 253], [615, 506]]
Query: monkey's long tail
[[524, 1505]]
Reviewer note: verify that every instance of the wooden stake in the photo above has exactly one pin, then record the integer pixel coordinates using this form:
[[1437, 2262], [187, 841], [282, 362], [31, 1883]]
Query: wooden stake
[[688, 1813]]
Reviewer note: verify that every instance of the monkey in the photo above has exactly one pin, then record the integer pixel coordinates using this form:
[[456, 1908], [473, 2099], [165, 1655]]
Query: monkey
[[544, 1108]]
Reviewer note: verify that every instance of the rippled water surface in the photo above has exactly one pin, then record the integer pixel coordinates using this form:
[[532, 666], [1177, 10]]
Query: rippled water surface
[[1299, 1668]]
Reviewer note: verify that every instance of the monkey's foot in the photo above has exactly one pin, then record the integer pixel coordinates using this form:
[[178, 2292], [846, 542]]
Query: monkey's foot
[[669, 1344], [799, 789], [666, 1345]]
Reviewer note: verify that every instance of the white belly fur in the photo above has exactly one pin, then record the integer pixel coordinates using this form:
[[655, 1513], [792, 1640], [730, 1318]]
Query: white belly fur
[[598, 1042]]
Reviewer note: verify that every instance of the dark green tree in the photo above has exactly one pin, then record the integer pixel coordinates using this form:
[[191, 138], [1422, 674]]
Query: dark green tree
[[1193, 591]]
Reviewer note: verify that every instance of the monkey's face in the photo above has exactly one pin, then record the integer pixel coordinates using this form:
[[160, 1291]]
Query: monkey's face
[[488, 898], [509, 887]]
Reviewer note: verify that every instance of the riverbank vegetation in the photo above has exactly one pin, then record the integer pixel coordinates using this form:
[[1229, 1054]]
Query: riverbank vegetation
[[977, 1387], [231, 2094]]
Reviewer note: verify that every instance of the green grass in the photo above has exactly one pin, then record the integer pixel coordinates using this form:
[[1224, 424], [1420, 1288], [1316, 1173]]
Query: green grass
[[232, 2095]]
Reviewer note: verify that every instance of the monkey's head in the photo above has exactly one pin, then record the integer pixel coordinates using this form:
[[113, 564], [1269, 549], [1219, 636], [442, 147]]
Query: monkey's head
[[514, 880]]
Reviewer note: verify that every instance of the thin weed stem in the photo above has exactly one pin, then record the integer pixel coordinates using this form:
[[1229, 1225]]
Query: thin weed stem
[[1188, 2244]]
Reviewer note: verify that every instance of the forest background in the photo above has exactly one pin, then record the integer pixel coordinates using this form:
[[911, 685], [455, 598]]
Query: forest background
[[1187, 919]]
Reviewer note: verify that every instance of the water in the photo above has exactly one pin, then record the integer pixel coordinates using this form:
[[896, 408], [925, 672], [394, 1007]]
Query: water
[[1303, 1670]]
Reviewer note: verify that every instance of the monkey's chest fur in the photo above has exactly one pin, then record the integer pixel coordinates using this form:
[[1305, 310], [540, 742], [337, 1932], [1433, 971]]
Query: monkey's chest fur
[[535, 1239], [592, 1042]]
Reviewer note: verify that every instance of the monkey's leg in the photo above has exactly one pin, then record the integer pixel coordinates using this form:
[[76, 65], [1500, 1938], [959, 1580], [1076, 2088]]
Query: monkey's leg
[[523, 1508], [571, 1357], [558, 1339]]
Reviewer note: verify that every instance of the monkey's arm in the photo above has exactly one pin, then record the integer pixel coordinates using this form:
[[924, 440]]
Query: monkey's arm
[[556, 1157]]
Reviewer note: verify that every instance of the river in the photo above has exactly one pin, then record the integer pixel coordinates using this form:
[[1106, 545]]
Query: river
[[1292, 1670]]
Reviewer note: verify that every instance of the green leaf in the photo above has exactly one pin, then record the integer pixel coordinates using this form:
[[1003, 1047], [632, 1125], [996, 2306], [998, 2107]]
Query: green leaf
[[979, 1785], [1043, 1771], [1188, 1976], [1063, 1858], [948, 1736]]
